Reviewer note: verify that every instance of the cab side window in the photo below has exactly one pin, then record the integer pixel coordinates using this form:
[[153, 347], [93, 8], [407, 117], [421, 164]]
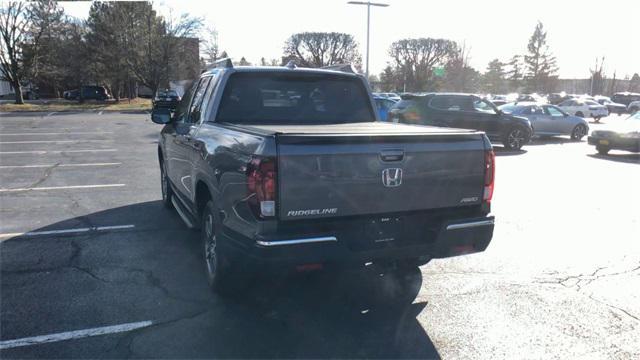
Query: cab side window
[[183, 108], [196, 103]]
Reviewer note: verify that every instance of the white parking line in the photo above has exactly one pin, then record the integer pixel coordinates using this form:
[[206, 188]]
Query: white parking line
[[42, 152], [53, 141], [51, 113], [100, 113], [5, 236], [58, 133], [61, 187], [58, 165], [78, 334]]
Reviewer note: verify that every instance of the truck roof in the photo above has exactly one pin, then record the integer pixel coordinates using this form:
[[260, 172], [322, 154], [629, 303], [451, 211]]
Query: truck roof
[[282, 69]]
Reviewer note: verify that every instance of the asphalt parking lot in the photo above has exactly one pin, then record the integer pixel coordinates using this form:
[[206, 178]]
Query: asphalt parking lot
[[93, 266]]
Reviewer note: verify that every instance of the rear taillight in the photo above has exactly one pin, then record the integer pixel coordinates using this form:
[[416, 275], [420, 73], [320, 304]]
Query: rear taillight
[[489, 175], [261, 184]]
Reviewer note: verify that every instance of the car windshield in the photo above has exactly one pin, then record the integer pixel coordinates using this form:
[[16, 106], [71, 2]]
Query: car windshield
[[281, 98], [590, 102]]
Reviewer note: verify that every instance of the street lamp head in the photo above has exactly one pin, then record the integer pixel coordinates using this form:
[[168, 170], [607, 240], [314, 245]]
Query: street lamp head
[[368, 3]]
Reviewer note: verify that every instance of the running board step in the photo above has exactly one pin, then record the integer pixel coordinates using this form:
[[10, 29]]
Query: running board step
[[183, 213]]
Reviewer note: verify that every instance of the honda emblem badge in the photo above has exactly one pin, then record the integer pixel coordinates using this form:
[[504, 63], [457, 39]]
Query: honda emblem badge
[[392, 177]]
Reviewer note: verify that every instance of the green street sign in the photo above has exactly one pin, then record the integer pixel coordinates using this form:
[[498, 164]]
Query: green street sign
[[438, 71]]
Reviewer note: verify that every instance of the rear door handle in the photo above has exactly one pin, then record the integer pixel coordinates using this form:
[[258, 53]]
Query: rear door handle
[[392, 155]]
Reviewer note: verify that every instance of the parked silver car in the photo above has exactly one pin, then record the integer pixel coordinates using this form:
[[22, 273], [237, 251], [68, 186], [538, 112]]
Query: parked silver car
[[548, 120]]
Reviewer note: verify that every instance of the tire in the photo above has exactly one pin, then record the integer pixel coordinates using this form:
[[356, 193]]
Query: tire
[[597, 118], [223, 277], [165, 187], [602, 150], [580, 114], [515, 138], [578, 132]]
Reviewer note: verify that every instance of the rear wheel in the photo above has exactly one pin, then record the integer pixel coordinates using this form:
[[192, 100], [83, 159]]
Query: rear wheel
[[223, 277], [578, 132], [602, 150], [515, 138], [597, 118]]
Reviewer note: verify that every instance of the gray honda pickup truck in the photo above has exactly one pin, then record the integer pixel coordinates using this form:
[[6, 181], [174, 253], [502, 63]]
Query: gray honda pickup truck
[[290, 168]]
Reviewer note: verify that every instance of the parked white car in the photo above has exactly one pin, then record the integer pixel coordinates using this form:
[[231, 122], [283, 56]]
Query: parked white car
[[584, 108], [633, 107]]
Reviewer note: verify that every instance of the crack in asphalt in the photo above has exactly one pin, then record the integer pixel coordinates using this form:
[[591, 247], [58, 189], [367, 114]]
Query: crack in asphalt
[[45, 175], [586, 278], [127, 340], [73, 262], [615, 307]]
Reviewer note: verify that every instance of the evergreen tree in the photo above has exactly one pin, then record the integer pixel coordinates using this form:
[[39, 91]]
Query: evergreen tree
[[494, 78], [540, 63]]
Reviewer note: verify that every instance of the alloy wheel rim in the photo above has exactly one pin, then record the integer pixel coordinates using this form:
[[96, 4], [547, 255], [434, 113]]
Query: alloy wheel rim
[[579, 132], [210, 245], [515, 138]]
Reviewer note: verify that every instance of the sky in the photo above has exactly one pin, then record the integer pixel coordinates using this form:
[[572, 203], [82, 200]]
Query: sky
[[578, 31]]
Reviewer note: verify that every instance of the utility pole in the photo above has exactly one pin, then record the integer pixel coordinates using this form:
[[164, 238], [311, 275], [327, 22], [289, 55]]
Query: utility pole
[[369, 4]]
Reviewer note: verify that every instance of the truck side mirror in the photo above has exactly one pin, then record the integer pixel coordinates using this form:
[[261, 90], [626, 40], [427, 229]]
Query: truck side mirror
[[161, 116]]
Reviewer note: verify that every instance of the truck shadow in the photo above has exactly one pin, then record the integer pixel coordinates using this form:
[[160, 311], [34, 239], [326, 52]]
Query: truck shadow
[[155, 271]]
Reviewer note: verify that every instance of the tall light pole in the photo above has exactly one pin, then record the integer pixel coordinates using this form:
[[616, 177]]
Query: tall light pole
[[369, 4]]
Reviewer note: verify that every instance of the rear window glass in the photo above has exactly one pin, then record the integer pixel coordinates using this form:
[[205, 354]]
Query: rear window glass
[[277, 98]]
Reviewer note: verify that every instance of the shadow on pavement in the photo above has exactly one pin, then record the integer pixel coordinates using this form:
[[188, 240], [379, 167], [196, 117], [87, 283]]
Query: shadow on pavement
[[155, 272], [502, 151], [547, 140], [624, 158]]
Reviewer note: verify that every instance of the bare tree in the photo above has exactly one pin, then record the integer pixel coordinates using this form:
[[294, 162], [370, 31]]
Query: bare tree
[[14, 24], [132, 41], [44, 56], [416, 59], [459, 76], [317, 49], [597, 78], [209, 44]]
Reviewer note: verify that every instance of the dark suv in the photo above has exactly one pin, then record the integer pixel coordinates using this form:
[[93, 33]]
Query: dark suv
[[464, 111], [625, 98], [90, 92]]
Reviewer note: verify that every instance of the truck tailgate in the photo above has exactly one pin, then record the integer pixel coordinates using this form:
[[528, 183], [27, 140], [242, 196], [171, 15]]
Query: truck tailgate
[[324, 175]]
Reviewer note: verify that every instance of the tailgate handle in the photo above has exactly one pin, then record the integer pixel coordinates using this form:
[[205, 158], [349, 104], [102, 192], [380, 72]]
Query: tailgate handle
[[392, 155]]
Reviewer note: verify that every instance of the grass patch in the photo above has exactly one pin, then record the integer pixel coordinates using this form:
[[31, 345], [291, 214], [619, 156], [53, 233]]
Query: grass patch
[[65, 105]]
